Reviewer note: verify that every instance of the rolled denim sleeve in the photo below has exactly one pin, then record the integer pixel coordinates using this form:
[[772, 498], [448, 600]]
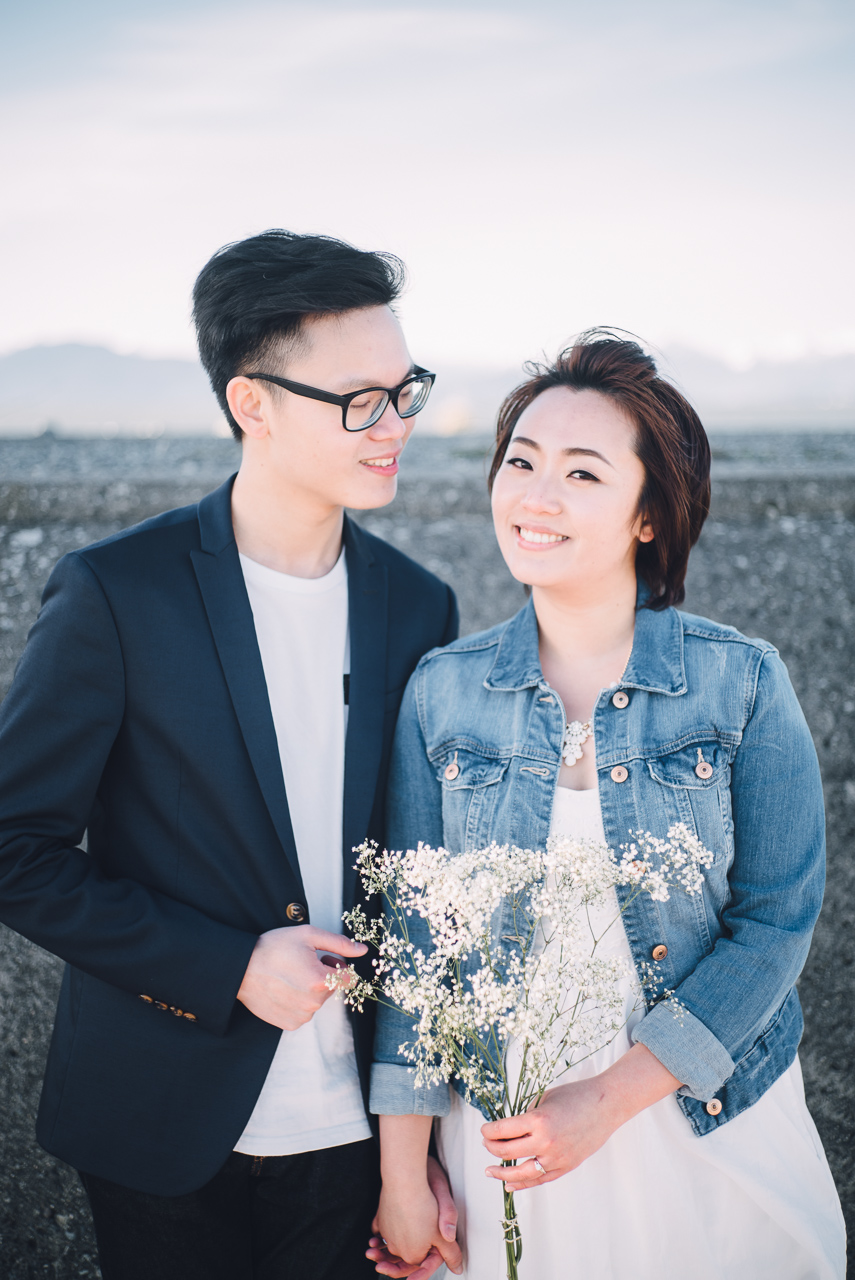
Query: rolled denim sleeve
[[776, 881], [414, 813]]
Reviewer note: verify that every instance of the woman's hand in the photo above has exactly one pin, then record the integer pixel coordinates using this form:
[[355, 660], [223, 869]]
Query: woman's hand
[[414, 1227], [388, 1264], [574, 1120]]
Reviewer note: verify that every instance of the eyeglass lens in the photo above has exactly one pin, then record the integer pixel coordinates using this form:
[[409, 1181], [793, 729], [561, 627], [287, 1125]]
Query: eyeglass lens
[[368, 407]]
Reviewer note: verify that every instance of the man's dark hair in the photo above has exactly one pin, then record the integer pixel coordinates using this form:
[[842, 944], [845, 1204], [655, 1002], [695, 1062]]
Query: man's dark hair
[[251, 299], [669, 440]]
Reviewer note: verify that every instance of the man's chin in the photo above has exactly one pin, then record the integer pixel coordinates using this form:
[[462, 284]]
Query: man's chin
[[367, 501]]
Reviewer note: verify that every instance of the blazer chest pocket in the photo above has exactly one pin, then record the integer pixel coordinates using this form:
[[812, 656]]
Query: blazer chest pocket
[[699, 766]]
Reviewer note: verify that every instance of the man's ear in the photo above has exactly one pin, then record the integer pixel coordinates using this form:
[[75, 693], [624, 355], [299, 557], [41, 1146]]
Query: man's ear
[[249, 404]]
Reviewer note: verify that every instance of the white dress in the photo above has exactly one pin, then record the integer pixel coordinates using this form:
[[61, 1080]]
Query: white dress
[[753, 1200]]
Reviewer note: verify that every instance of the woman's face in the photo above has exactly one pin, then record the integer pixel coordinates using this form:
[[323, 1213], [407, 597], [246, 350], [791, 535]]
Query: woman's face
[[565, 498]]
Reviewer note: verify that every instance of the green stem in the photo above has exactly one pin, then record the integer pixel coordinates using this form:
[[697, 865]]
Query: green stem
[[511, 1227]]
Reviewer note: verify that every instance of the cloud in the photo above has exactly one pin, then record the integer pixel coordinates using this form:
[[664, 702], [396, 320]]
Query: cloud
[[677, 168]]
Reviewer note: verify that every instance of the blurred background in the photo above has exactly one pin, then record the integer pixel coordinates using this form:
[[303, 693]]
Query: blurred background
[[681, 169]]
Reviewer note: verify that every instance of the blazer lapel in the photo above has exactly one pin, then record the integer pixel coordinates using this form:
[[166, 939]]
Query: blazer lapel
[[221, 583], [368, 606]]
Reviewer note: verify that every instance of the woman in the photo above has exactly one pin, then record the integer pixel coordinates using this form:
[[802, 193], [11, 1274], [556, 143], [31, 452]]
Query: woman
[[684, 1148]]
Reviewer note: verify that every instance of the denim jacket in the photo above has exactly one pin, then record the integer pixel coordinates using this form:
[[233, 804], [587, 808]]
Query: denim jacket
[[694, 693]]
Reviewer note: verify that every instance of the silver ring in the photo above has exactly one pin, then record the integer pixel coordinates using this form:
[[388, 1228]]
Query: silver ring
[[538, 1166]]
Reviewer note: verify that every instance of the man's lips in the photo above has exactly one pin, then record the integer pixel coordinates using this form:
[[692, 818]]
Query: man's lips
[[387, 465], [533, 539]]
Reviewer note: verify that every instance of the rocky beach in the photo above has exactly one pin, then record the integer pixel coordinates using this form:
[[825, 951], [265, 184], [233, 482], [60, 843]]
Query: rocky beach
[[775, 560]]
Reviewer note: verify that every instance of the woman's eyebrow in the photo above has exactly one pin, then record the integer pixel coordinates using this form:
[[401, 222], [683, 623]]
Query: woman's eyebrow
[[570, 452]]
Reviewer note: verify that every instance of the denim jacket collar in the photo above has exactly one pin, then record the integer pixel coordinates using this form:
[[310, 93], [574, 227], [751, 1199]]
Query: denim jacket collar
[[655, 664]]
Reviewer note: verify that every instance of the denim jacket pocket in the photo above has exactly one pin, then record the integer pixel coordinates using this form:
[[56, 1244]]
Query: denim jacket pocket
[[468, 777], [698, 765]]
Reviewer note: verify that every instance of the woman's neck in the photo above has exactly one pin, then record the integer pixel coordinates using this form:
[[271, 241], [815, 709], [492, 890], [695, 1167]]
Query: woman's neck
[[584, 632]]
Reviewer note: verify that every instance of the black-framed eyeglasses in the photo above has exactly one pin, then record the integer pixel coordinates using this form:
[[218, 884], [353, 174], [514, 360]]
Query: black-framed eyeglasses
[[361, 409]]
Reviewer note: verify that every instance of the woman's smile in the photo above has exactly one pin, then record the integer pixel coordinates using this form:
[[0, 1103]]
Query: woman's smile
[[533, 539]]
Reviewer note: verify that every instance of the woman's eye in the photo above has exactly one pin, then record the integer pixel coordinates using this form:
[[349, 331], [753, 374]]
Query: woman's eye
[[579, 474], [519, 463]]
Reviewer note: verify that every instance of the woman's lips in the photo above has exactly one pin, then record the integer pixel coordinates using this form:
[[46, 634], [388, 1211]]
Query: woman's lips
[[538, 539]]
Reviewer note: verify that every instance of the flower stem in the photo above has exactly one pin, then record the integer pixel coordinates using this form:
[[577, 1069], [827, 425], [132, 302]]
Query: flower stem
[[511, 1228]]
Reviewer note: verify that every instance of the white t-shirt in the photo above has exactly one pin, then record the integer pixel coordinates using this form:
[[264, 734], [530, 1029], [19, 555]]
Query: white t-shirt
[[311, 1098]]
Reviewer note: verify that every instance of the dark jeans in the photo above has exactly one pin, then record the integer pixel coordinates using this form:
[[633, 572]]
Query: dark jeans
[[301, 1217]]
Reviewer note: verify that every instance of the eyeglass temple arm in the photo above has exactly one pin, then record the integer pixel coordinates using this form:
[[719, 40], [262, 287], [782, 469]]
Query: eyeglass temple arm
[[301, 387]]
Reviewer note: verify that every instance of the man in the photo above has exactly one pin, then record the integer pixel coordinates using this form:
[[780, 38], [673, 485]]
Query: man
[[211, 697]]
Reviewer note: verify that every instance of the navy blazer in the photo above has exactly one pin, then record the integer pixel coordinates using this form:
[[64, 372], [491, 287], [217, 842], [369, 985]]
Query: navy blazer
[[139, 714]]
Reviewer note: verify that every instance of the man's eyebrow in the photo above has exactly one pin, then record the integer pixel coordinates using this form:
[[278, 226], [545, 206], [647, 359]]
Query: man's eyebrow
[[360, 383], [571, 452]]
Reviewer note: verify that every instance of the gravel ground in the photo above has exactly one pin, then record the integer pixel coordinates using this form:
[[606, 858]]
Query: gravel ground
[[775, 561]]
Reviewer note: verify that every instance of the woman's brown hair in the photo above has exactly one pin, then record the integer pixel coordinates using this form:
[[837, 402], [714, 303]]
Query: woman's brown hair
[[670, 442]]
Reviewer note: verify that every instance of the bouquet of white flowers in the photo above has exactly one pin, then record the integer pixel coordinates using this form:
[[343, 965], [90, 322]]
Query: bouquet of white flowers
[[512, 959]]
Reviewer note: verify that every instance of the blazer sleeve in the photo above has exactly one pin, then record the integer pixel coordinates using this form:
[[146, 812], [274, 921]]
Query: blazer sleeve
[[57, 727], [452, 623], [414, 813], [776, 885]]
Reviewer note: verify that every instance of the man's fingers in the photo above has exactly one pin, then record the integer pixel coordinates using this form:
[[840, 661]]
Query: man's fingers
[[322, 940], [441, 1191], [451, 1255]]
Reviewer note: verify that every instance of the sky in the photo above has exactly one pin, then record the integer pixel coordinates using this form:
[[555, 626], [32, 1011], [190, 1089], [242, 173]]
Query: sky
[[679, 168]]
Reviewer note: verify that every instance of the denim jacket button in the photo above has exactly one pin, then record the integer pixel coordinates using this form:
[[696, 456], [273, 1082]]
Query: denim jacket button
[[713, 1107], [704, 769], [619, 773], [620, 699], [659, 952], [452, 771]]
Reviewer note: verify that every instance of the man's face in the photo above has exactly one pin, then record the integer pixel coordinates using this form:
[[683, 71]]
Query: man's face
[[301, 441]]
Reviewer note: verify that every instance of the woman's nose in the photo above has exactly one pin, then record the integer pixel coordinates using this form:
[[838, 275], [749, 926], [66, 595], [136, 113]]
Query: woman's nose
[[541, 498]]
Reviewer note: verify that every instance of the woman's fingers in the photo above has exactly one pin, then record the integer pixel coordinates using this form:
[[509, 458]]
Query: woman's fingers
[[522, 1176], [516, 1148], [510, 1127]]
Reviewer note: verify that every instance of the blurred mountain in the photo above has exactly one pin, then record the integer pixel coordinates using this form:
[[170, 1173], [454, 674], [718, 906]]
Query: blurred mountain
[[75, 388]]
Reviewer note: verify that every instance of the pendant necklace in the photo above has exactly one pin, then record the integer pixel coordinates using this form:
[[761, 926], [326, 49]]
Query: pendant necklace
[[576, 733]]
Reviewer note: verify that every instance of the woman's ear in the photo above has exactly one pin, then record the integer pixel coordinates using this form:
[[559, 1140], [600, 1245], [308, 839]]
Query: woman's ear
[[246, 401], [646, 533], [644, 529]]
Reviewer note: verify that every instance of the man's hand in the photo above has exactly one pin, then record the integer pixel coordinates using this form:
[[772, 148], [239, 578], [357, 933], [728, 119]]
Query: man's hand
[[285, 980], [387, 1264]]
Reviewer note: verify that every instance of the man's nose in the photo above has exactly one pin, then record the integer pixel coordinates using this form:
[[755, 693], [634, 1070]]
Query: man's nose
[[389, 426]]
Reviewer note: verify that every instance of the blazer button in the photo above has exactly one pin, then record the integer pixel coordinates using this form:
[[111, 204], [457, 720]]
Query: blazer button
[[619, 774], [659, 952], [620, 699], [713, 1107], [191, 1017], [147, 999], [704, 769], [296, 911], [158, 1004]]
